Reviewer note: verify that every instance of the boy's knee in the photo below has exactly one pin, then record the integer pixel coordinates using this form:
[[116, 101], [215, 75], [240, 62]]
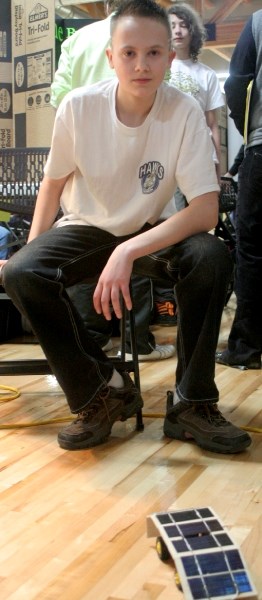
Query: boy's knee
[[220, 260], [11, 274], [215, 248], [222, 252], [213, 255]]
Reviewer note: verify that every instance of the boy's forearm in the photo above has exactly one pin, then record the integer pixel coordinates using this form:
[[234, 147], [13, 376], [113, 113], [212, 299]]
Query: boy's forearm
[[201, 215], [47, 206]]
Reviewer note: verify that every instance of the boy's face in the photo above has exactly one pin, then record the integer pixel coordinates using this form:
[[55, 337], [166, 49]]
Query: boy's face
[[140, 55], [181, 36]]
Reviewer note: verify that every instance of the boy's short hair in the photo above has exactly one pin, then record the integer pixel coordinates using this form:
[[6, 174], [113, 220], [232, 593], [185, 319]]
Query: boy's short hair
[[194, 24], [141, 8], [110, 5]]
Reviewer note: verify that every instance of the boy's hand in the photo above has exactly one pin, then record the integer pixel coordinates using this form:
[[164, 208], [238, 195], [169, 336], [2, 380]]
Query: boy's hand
[[114, 282]]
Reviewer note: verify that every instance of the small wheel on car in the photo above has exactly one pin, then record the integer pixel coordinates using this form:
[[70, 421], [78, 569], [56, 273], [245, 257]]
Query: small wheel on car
[[162, 550], [177, 581]]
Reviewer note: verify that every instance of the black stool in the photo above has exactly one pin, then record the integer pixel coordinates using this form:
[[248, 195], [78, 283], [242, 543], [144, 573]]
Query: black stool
[[41, 366]]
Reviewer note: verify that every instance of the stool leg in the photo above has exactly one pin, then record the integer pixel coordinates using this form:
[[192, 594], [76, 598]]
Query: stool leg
[[139, 415], [123, 330]]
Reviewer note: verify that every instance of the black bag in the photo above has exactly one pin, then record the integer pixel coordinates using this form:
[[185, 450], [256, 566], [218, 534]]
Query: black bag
[[227, 194]]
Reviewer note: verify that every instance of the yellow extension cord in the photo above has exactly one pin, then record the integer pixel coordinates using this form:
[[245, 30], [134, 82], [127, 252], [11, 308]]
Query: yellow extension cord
[[16, 393]]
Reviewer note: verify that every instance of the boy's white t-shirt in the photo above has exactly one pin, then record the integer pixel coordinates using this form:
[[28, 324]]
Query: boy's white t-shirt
[[197, 80], [122, 177]]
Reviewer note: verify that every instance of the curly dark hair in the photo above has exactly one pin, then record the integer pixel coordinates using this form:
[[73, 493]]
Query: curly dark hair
[[194, 24]]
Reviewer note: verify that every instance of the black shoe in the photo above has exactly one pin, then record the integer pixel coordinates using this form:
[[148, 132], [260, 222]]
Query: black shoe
[[93, 425], [226, 358], [203, 422]]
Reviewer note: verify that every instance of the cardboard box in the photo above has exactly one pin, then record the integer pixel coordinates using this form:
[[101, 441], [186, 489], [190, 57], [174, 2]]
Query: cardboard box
[[33, 54], [6, 112]]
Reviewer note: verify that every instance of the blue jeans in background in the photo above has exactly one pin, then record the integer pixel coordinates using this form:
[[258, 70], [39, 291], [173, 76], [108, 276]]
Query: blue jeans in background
[[4, 240]]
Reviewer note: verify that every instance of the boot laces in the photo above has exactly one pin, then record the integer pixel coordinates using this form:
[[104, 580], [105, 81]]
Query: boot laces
[[95, 406], [211, 413]]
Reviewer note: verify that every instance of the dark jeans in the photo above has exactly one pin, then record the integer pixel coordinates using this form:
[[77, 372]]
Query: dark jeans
[[101, 329], [36, 279], [245, 339], [161, 292]]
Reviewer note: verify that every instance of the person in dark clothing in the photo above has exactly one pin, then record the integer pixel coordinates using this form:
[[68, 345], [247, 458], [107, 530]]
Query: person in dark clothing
[[233, 170], [245, 338]]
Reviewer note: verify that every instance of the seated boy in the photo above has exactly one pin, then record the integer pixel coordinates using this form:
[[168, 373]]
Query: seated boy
[[119, 149]]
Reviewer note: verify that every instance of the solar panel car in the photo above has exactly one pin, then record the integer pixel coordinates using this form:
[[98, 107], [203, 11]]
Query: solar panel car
[[208, 564]]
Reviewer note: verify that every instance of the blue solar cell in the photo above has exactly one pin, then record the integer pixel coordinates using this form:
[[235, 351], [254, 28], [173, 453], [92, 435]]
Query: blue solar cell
[[220, 585], [180, 545], [172, 531], [202, 542], [196, 528], [242, 582], [223, 539], [184, 515], [214, 562], [205, 513], [163, 519], [190, 566], [197, 588], [214, 525], [234, 560]]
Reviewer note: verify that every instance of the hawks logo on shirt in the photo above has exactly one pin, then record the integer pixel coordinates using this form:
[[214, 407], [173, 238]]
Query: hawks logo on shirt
[[150, 174]]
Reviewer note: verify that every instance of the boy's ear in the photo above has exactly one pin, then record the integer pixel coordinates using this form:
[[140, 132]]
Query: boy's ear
[[110, 57]]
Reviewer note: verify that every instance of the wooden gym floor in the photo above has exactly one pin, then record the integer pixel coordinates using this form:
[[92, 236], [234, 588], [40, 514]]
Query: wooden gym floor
[[73, 524]]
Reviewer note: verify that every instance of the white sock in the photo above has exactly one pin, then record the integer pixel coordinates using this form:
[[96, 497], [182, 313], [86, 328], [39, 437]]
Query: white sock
[[116, 380], [176, 399]]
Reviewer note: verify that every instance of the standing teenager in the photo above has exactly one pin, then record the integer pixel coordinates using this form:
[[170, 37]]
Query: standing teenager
[[244, 348]]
